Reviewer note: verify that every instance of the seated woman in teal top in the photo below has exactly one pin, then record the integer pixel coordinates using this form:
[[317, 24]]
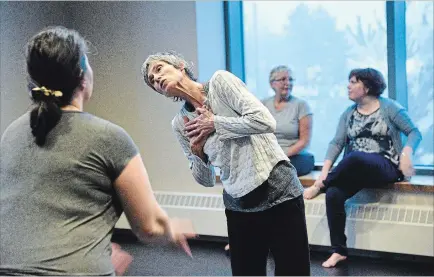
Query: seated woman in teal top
[[293, 118]]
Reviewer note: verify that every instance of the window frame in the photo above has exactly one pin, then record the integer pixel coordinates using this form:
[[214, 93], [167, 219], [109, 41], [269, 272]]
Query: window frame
[[396, 53]]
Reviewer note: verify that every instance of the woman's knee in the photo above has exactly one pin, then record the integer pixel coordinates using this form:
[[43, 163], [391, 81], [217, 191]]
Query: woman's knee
[[358, 159], [304, 164], [335, 196]]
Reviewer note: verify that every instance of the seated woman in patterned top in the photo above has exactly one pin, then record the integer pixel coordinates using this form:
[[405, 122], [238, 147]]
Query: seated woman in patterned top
[[222, 124], [374, 154], [293, 118]]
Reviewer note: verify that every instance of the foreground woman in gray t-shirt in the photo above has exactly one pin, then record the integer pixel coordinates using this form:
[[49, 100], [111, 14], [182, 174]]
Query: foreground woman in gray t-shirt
[[66, 176]]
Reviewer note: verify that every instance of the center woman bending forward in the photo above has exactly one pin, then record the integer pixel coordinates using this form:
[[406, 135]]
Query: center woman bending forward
[[221, 124]]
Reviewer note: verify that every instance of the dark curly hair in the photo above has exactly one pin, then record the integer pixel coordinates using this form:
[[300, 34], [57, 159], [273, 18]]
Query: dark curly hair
[[371, 78]]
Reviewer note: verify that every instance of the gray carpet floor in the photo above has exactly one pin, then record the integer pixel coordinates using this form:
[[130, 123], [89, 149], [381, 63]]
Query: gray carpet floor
[[209, 259]]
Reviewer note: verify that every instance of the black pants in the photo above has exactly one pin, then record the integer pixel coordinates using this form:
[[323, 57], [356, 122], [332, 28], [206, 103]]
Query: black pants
[[280, 230], [356, 171], [303, 163]]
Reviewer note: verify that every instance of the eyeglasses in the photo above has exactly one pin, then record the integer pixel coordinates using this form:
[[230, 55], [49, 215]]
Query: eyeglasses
[[284, 79]]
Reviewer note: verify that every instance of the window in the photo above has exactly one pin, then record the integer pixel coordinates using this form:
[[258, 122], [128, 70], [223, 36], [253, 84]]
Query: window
[[419, 44], [321, 42]]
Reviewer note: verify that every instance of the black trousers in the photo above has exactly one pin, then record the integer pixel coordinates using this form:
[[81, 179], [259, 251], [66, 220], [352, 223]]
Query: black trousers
[[356, 171], [280, 230]]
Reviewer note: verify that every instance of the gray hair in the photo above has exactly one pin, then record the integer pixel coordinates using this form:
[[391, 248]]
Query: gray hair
[[170, 57], [277, 69]]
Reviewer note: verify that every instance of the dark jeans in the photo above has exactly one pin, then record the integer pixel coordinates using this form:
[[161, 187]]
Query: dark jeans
[[356, 171], [280, 230], [303, 163]]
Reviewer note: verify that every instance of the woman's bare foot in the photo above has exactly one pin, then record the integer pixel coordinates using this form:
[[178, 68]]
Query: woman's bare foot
[[334, 259], [227, 250], [311, 192]]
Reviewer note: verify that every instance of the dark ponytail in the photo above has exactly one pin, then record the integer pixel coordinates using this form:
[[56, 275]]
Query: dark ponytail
[[43, 118], [56, 65]]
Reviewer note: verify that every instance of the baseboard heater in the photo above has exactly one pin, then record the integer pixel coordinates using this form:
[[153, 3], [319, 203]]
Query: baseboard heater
[[377, 220]]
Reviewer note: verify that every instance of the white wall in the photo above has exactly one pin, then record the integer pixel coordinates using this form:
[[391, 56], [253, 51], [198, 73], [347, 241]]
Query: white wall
[[18, 22], [123, 33]]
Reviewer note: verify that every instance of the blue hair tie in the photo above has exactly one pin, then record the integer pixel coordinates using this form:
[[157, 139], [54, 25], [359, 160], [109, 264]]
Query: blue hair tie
[[83, 63]]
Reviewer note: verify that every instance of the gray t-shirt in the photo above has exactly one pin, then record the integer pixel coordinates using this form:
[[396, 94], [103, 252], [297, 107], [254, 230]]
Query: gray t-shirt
[[287, 120], [58, 207]]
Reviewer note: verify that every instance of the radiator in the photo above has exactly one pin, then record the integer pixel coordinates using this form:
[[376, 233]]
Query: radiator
[[377, 220]]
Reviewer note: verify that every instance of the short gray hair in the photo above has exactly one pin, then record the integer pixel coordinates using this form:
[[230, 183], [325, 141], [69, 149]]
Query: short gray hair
[[169, 57], [277, 69]]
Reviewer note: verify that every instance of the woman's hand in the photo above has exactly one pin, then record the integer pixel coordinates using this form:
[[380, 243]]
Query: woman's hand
[[406, 165], [318, 183], [196, 146], [313, 191], [202, 126], [120, 259], [196, 142], [180, 231]]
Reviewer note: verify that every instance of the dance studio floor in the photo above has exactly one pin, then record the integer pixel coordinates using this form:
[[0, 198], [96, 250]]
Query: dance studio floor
[[209, 259]]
